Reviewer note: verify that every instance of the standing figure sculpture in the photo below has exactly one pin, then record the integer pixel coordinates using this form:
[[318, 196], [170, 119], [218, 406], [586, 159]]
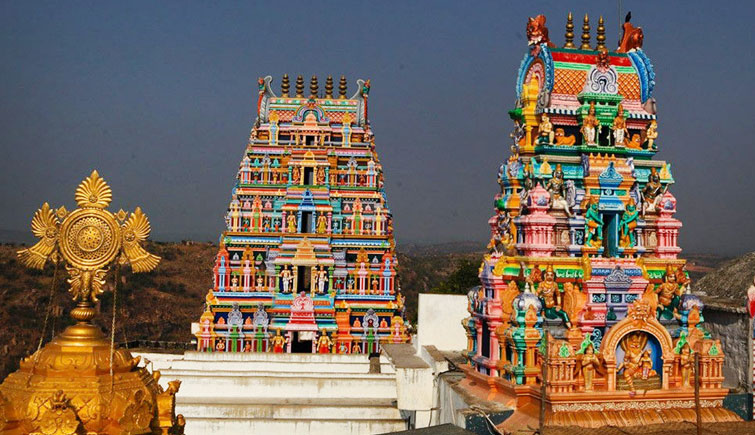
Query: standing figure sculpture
[[285, 278], [590, 127], [619, 128], [651, 135], [278, 342], [551, 296], [633, 346], [686, 361], [589, 364], [324, 343], [528, 183], [291, 220], [593, 224], [669, 294], [322, 279], [628, 224]]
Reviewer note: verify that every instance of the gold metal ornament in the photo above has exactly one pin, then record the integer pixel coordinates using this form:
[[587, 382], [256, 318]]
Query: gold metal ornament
[[80, 382], [89, 239]]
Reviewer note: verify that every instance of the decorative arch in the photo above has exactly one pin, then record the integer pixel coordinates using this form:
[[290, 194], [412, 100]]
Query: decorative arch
[[319, 112], [639, 318], [546, 58]]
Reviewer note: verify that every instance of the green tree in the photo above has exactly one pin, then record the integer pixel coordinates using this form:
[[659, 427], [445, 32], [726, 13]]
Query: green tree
[[461, 279]]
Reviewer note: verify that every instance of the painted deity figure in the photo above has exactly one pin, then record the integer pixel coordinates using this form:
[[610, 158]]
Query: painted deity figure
[[628, 224], [619, 128], [633, 345], [285, 279], [279, 342], [669, 294], [589, 363], [324, 343], [291, 221], [551, 296], [356, 348], [557, 190], [590, 127], [260, 282], [593, 224], [651, 135], [296, 175], [686, 361], [546, 130], [320, 175], [528, 183], [322, 224], [646, 365], [322, 279], [652, 192]]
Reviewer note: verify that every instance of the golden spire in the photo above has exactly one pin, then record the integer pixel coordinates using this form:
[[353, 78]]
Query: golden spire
[[76, 371], [313, 87], [299, 86], [569, 36], [601, 38], [329, 87], [342, 87], [285, 85], [585, 34]]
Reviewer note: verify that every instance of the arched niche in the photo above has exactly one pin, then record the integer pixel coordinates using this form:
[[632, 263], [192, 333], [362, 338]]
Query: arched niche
[[639, 318]]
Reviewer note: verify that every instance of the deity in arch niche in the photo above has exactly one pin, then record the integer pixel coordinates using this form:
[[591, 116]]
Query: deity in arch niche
[[638, 360], [619, 127]]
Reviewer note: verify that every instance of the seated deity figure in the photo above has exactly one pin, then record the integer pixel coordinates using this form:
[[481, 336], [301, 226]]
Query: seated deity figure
[[669, 294], [557, 190], [551, 296], [593, 224], [628, 224], [546, 130], [651, 135], [619, 127], [590, 127], [633, 345], [652, 192]]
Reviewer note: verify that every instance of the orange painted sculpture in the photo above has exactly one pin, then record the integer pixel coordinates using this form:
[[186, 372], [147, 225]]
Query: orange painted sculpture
[[584, 252]]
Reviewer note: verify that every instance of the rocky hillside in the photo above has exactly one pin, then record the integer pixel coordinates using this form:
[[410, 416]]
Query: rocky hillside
[[730, 280]]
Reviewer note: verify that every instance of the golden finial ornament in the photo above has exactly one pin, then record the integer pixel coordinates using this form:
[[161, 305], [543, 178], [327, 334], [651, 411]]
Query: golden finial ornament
[[285, 85], [586, 34], [329, 87], [342, 87], [299, 86], [70, 383], [601, 38], [569, 35], [313, 87]]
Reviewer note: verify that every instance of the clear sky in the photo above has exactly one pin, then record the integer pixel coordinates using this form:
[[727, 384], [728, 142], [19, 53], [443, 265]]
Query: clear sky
[[160, 96]]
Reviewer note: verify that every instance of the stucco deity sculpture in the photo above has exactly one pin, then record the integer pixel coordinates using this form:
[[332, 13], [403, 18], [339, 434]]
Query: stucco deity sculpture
[[686, 361], [590, 127], [546, 130], [551, 296], [652, 192], [633, 345], [324, 343], [628, 224], [593, 224], [589, 364], [278, 342], [557, 190], [619, 127], [651, 135], [669, 294]]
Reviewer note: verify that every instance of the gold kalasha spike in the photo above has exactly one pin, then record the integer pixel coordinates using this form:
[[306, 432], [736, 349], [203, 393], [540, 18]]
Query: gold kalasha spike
[[313, 87], [285, 85], [299, 86], [569, 36], [586, 34], [601, 38], [342, 87], [329, 87]]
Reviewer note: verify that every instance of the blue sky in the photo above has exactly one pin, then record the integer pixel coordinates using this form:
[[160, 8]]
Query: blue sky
[[160, 96]]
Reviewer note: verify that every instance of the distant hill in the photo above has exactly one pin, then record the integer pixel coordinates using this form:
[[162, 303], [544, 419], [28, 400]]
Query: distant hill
[[730, 279]]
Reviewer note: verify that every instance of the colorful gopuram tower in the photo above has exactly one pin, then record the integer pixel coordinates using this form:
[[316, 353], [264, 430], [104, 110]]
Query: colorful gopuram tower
[[582, 272], [307, 261]]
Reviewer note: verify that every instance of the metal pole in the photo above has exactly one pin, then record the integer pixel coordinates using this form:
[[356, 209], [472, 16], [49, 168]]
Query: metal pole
[[697, 394], [543, 382]]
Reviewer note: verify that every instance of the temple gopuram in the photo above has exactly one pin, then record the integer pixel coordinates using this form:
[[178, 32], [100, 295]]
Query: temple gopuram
[[582, 286], [307, 260]]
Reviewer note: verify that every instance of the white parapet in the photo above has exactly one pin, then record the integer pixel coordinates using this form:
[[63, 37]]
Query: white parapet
[[439, 321], [241, 393]]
